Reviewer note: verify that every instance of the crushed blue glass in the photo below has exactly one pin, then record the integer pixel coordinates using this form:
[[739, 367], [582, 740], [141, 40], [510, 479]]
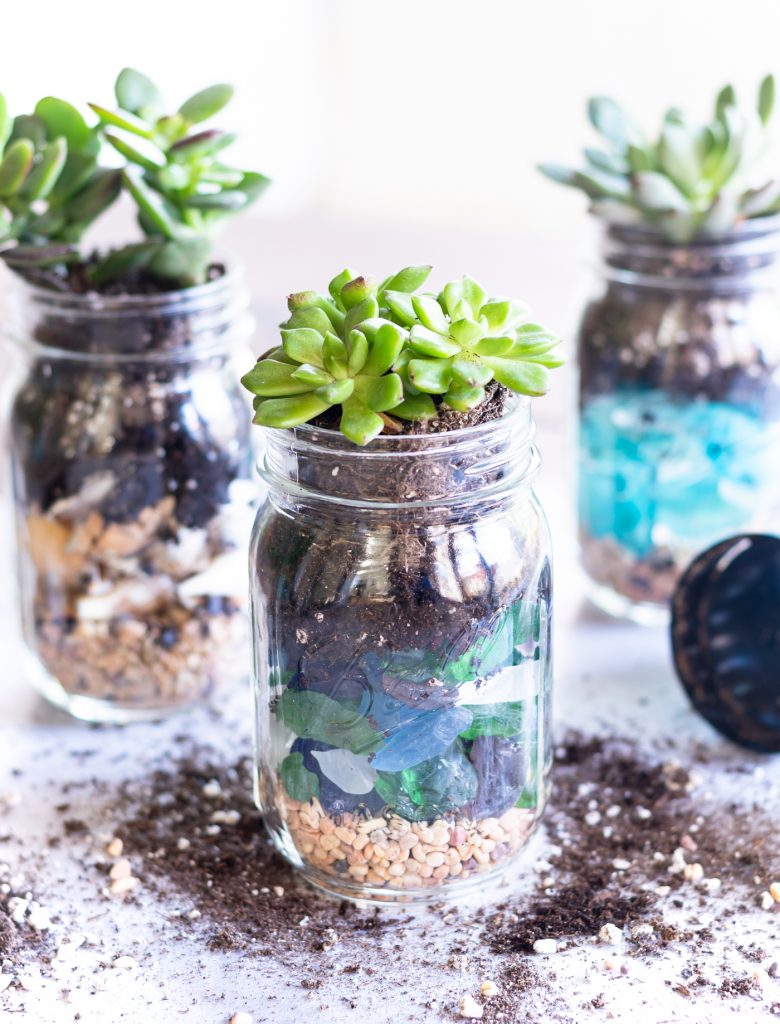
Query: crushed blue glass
[[655, 470]]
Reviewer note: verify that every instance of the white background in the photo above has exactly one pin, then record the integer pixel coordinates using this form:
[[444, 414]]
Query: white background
[[411, 111]]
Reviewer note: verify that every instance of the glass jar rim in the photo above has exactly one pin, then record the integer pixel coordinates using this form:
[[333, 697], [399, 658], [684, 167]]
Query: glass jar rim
[[654, 234], [514, 464], [217, 311]]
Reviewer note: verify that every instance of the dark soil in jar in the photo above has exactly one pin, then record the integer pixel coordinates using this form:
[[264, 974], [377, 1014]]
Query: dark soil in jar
[[124, 474]]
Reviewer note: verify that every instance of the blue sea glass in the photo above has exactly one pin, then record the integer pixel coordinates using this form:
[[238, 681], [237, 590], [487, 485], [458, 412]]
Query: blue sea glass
[[656, 470]]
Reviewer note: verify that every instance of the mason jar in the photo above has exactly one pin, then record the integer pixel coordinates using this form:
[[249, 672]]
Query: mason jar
[[131, 462], [679, 407], [400, 607]]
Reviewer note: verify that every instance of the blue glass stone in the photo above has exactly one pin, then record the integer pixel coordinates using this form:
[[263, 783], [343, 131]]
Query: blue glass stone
[[726, 638], [655, 470], [500, 766]]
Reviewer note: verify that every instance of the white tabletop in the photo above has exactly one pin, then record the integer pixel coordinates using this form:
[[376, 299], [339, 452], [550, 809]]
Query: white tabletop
[[610, 678]]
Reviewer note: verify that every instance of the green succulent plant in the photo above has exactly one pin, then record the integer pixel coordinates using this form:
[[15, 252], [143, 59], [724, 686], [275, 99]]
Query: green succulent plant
[[176, 175], [691, 179], [460, 340], [53, 183], [51, 187], [381, 352]]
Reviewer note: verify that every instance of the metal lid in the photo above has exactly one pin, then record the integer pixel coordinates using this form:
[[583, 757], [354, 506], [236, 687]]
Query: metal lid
[[726, 638]]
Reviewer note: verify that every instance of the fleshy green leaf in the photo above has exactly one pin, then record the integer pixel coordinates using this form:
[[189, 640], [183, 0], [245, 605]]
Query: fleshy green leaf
[[97, 195], [62, 118], [609, 118], [16, 163], [407, 280], [400, 305], [363, 310], [356, 291], [379, 393], [415, 407], [430, 375], [524, 378], [312, 375], [430, 313], [358, 352], [124, 120], [137, 93], [206, 103], [766, 98], [304, 345], [334, 355], [360, 425], [336, 392], [205, 143], [184, 260], [123, 261], [271, 379], [474, 294], [496, 313], [387, 344], [655, 192], [427, 343], [43, 176], [461, 397], [290, 412], [6, 122], [470, 373], [147, 156], [151, 204], [466, 332], [494, 346], [338, 283]]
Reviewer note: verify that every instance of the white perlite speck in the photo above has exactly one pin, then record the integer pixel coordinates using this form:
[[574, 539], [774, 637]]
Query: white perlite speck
[[610, 934], [124, 963], [241, 1018], [212, 790], [543, 946], [470, 1008], [488, 989]]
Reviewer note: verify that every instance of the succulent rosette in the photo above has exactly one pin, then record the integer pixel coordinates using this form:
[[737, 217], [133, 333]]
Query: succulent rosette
[[692, 178], [386, 352]]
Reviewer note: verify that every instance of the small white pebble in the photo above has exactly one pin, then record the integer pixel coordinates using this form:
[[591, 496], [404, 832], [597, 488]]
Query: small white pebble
[[121, 869], [621, 865], [693, 872], [592, 818], [643, 813], [470, 1008], [240, 1018], [212, 790], [711, 885], [663, 890], [226, 817], [194, 915], [774, 891], [545, 946], [38, 919], [124, 963], [122, 885], [613, 811], [611, 935], [279, 890], [767, 901], [115, 847], [182, 843], [488, 989]]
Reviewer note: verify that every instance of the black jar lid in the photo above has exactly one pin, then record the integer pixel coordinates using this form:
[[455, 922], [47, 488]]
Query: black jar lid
[[726, 638]]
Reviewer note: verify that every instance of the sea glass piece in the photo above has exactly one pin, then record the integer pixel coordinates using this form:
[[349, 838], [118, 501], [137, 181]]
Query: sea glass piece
[[726, 638], [333, 798], [500, 767], [436, 787], [350, 772], [427, 735]]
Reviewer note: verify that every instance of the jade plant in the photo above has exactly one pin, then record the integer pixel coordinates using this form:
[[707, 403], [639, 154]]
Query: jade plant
[[58, 174], [380, 353], [690, 179]]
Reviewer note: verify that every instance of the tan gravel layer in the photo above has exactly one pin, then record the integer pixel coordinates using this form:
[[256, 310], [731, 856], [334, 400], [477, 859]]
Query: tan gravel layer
[[394, 853]]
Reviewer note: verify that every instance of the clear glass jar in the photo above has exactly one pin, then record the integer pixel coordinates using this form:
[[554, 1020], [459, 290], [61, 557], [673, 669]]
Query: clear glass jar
[[679, 407], [400, 598], [132, 465]]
